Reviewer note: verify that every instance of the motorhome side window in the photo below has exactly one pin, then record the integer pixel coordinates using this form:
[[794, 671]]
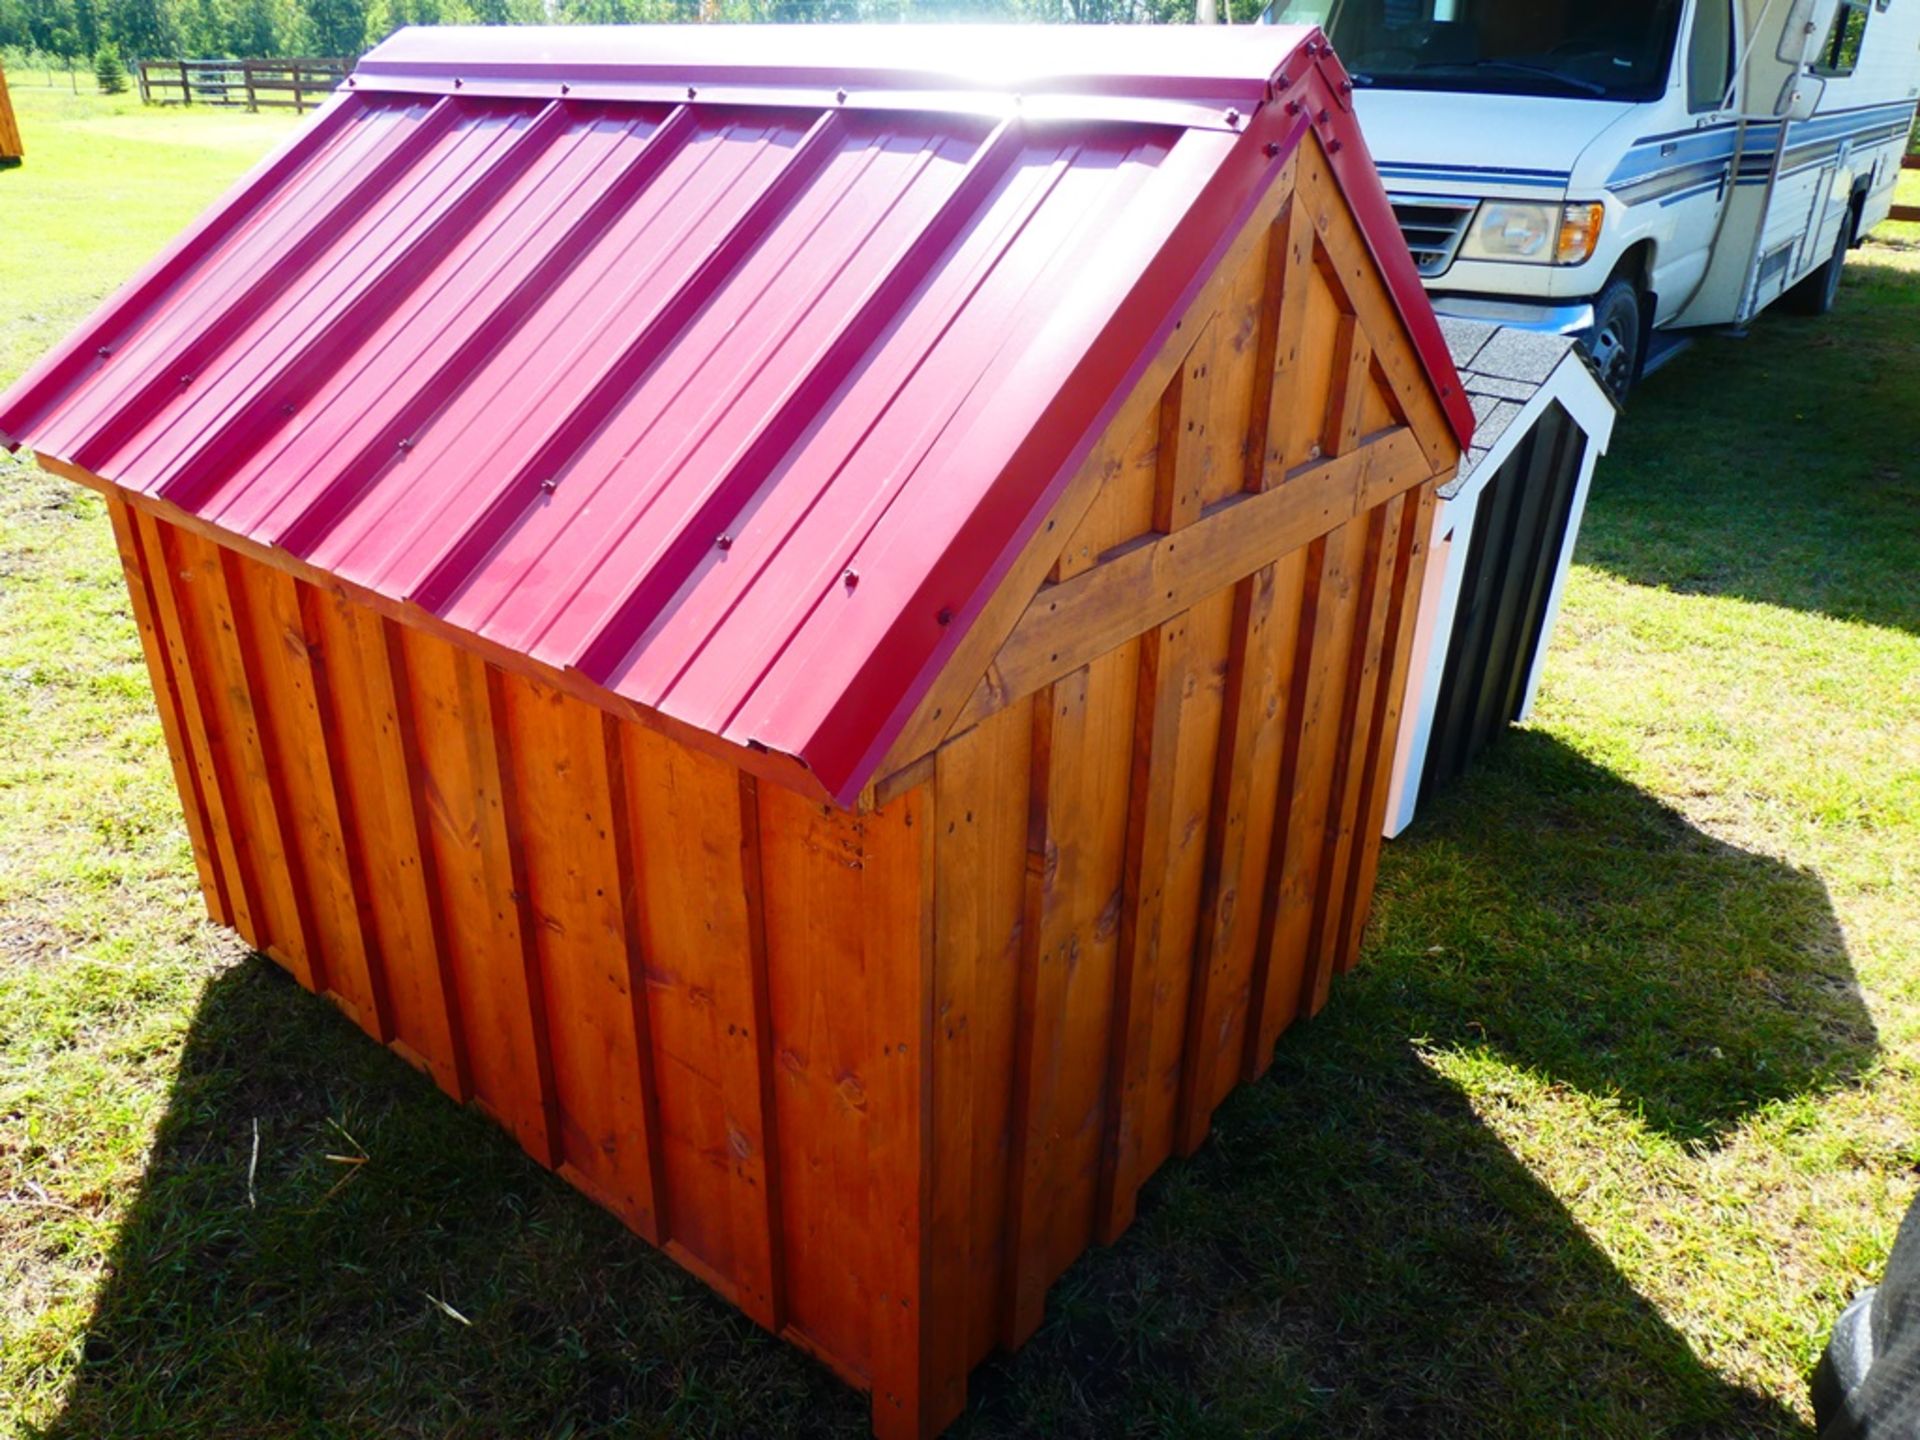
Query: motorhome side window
[[1710, 56], [1841, 53], [1620, 50]]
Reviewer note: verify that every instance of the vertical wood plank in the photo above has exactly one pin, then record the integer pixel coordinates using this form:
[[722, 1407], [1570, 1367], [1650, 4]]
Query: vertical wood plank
[[249, 787], [694, 837], [513, 968], [1149, 826], [1415, 541], [632, 935], [1185, 416], [247, 915], [1246, 786], [385, 792], [1350, 759], [282, 674], [910, 1397], [1293, 243], [850, 989], [324, 667], [260, 769], [561, 804], [1300, 830], [981, 783], [750, 1088], [166, 696], [1059, 716]]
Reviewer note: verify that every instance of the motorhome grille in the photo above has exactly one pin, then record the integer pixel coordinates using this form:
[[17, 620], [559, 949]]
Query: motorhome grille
[[1433, 228]]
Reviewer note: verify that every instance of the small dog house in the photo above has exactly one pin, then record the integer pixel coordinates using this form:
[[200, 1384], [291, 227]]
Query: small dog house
[[820, 635], [11, 148], [1503, 539]]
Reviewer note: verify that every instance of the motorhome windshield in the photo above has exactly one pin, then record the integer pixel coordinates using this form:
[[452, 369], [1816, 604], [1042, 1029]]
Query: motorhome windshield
[[1599, 49]]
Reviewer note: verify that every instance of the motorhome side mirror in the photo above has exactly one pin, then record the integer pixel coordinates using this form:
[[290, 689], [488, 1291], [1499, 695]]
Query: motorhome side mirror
[[1807, 20], [1799, 97]]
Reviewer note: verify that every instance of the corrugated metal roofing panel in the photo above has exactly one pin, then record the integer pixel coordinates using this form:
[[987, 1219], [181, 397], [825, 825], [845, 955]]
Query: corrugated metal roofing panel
[[721, 405]]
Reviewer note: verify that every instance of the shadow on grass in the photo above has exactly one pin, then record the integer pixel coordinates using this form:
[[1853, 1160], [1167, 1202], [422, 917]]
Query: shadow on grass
[[1780, 468], [1356, 1252]]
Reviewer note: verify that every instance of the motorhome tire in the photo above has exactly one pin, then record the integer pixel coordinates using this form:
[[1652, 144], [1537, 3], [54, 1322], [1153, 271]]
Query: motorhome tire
[[1614, 342], [1815, 294]]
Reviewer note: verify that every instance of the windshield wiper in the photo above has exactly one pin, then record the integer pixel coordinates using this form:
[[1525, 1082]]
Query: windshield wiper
[[1543, 72]]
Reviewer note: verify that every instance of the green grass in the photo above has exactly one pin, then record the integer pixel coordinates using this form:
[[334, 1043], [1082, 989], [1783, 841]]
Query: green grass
[[1622, 1110]]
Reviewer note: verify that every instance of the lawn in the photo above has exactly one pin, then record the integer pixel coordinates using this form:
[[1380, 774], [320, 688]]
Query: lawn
[[1623, 1108]]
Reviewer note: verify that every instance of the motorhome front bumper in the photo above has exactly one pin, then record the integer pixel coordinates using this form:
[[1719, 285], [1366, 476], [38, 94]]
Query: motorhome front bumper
[[1517, 314]]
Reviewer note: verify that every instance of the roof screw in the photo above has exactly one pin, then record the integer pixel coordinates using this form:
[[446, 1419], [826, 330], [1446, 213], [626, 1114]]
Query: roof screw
[[286, 408], [725, 542], [1284, 81], [457, 83], [186, 379], [406, 444], [945, 617], [691, 92], [549, 485], [1333, 147], [1346, 87], [1272, 150], [1293, 107], [1233, 117], [852, 577], [841, 96], [104, 351], [352, 83], [566, 89]]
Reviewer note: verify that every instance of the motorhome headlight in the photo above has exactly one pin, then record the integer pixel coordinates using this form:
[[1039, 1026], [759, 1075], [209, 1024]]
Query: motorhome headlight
[[1507, 230], [1514, 230]]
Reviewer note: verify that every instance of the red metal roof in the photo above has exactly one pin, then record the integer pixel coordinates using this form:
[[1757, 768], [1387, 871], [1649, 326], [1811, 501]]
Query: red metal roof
[[729, 367]]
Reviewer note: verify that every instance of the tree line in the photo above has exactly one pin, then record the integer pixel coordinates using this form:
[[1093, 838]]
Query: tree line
[[212, 29]]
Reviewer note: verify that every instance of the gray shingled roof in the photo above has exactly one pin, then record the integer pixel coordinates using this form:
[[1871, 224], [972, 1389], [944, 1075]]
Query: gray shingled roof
[[1501, 370]]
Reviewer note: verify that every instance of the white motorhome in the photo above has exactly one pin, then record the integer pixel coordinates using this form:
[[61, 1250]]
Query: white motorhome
[[1625, 170]]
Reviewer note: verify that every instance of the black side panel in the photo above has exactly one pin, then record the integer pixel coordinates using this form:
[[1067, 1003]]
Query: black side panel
[[1513, 552]]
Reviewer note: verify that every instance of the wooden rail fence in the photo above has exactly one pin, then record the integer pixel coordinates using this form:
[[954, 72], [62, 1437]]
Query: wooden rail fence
[[1908, 212], [248, 84]]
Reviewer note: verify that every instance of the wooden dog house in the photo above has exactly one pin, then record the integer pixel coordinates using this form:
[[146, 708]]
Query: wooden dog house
[[12, 150], [823, 638]]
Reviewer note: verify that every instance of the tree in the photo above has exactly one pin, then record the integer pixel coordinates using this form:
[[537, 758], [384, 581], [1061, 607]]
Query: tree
[[200, 28], [256, 29], [86, 26], [110, 74], [141, 27], [339, 26]]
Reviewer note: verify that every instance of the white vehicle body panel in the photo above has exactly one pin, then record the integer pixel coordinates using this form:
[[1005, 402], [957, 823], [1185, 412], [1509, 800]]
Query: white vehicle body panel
[[1717, 212]]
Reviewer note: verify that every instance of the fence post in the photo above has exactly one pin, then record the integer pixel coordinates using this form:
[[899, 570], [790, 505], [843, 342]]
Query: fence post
[[246, 70], [186, 91]]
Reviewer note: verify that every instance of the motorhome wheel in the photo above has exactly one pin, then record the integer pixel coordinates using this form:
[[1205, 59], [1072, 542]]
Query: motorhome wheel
[[1614, 342], [1815, 294]]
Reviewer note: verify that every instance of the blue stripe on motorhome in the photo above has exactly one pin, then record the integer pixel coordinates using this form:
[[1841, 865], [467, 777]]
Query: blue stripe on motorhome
[[1475, 174]]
